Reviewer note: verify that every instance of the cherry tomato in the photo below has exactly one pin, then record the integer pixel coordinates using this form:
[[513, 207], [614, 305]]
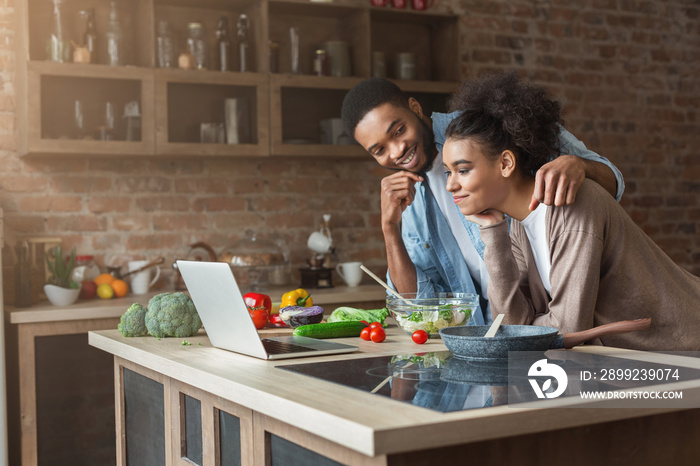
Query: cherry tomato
[[376, 325], [377, 334], [420, 336], [365, 333], [259, 317]]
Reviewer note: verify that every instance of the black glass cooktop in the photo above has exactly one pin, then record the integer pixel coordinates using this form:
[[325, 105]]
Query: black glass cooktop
[[440, 382]]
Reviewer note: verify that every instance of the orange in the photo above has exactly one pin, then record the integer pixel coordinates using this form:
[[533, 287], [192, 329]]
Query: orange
[[120, 288], [104, 278], [105, 291]]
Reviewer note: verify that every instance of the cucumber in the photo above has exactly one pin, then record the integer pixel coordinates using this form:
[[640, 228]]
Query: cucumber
[[330, 330]]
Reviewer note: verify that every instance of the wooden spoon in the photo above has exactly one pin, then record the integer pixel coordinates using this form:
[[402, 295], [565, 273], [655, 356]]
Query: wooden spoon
[[381, 282], [154, 262], [494, 326]]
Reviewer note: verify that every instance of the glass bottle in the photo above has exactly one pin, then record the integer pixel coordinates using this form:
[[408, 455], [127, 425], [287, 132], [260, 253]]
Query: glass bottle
[[166, 46], [321, 63], [57, 47], [223, 45], [90, 34], [244, 43], [274, 56], [109, 125], [79, 119], [294, 46], [197, 45], [114, 39], [23, 279]]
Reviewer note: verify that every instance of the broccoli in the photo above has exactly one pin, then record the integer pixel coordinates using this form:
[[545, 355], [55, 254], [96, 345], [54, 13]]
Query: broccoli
[[172, 315], [133, 321]]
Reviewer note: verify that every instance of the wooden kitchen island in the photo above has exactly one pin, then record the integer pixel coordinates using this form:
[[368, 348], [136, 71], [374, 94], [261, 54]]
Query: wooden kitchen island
[[60, 390], [177, 402]]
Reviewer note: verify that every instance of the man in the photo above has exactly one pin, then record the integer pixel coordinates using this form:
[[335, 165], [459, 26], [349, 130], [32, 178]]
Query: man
[[430, 246]]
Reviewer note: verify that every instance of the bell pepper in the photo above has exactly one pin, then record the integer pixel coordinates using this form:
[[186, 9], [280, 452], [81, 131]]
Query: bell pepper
[[298, 297], [277, 321], [258, 301]]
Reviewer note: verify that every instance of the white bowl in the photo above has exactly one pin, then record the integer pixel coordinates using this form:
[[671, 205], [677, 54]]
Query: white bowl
[[61, 296]]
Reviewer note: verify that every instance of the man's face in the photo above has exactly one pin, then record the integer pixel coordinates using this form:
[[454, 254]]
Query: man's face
[[397, 138]]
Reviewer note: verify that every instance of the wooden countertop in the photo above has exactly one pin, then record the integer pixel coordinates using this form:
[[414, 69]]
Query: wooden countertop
[[106, 308], [367, 423]]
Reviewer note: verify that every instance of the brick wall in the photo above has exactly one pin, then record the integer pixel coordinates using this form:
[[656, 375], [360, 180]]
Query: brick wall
[[155, 207], [626, 71]]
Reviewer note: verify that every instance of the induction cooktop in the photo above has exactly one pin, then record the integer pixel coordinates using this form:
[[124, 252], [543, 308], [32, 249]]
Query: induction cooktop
[[441, 382]]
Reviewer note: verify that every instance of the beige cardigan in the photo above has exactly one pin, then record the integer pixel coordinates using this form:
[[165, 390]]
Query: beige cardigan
[[604, 269]]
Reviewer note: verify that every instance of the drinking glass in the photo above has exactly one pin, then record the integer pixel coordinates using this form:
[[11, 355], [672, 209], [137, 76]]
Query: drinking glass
[[294, 41], [78, 117]]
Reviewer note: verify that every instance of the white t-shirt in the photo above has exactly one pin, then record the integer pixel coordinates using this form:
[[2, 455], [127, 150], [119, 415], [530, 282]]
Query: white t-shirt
[[437, 179], [534, 225]]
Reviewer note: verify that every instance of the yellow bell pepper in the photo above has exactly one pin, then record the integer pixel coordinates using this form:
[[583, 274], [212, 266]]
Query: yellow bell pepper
[[298, 297]]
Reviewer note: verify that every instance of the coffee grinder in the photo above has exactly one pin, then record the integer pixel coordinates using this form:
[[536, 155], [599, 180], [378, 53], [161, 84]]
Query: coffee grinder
[[319, 273]]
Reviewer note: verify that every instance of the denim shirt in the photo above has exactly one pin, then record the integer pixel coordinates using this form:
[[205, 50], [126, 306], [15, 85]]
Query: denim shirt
[[431, 244]]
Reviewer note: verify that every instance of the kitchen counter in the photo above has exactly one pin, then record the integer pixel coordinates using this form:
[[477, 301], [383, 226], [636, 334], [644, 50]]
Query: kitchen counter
[[105, 308], [355, 427], [48, 353]]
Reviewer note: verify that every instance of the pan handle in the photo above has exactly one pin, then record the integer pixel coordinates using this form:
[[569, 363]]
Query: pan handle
[[623, 326]]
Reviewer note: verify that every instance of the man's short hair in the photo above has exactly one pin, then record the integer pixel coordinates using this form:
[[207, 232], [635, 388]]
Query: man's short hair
[[365, 97]]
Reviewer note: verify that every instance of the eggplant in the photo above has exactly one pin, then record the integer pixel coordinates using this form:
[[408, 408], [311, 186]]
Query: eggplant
[[295, 316]]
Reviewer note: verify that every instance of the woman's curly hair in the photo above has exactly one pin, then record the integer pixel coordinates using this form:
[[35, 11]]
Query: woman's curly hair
[[500, 112]]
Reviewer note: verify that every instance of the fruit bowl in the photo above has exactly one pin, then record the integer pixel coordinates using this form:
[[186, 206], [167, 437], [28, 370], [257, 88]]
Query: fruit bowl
[[432, 313]]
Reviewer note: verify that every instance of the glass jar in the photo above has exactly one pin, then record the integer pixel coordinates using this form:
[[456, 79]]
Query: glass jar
[[197, 45], [166, 46], [85, 268]]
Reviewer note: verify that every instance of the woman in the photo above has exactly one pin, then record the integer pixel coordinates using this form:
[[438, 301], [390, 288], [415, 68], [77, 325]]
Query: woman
[[571, 267]]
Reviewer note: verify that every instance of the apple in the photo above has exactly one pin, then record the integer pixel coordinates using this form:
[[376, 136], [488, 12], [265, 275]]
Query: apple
[[88, 290]]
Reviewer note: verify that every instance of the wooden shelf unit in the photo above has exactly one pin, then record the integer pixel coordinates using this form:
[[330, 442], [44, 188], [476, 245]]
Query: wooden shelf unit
[[198, 96], [284, 109], [49, 117]]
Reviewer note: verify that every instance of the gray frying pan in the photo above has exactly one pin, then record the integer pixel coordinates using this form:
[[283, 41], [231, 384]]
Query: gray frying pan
[[469, 343]]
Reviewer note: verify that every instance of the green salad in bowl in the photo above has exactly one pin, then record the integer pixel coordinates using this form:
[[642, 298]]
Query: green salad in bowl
[[432, 313]]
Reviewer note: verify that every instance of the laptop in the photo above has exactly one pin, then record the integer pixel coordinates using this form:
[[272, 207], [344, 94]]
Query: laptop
[[226, 319]]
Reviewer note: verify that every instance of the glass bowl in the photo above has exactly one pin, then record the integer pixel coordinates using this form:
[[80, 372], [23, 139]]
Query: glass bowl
[[432, 313]]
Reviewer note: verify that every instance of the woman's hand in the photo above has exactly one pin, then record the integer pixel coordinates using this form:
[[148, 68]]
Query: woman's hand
[[487, 217]]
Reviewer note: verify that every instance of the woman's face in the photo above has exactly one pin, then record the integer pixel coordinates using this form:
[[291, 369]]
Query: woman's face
[[475, 181]]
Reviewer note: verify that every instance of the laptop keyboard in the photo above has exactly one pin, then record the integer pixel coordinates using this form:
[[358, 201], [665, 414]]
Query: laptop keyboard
[[281, 347]]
